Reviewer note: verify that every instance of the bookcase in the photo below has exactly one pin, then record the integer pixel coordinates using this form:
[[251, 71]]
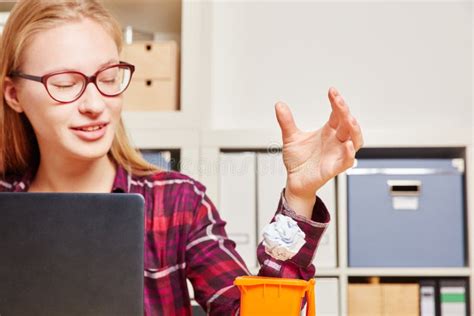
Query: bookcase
[[214, 143], [191, 131], [162, 20]]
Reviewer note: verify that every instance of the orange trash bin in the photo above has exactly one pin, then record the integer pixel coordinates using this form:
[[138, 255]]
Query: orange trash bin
[[260, 296]]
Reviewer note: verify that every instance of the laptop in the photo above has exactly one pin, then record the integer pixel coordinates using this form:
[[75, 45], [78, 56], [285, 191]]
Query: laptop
[[68, 254]]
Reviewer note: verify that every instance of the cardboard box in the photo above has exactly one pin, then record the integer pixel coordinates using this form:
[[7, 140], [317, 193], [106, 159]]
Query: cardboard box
[[151, 95], [383, 299], [152, 60], [365, 299], [155, 83], [400, 299]]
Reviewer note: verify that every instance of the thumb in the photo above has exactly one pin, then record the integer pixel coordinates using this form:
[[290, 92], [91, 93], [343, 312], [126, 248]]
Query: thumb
[[285, 120]]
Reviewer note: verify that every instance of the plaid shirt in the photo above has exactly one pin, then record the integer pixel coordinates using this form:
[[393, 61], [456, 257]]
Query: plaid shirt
[[185, 239]]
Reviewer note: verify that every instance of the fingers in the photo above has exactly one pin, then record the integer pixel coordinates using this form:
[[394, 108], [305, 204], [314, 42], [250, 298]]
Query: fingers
[[347, 158], [340, 115], [343, 122], [356, 134], [285, 120], [333, 118], [349, 129], [343, 131], [339, 108]]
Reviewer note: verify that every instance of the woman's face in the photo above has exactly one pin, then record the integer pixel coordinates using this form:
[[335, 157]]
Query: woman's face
[[85, 128]]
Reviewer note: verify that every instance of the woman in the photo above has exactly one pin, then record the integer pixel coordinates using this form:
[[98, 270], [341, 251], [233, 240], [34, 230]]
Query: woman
[[61, 131]]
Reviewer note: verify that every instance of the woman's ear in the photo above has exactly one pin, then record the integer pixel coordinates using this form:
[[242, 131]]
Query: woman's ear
[[11, 96]]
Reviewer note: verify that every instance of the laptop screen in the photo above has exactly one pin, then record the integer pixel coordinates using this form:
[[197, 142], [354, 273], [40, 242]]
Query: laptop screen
[[71, 254]]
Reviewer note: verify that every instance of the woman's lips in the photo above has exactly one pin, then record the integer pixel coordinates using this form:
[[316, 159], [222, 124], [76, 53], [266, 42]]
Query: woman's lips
[[91, 132]]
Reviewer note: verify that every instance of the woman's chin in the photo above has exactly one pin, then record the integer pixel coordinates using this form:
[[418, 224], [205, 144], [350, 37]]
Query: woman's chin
[[91, 152]]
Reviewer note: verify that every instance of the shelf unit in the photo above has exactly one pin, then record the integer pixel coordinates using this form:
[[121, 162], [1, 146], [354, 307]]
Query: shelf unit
[[173, 129], [213, 141], [189, 130], [409, 272]]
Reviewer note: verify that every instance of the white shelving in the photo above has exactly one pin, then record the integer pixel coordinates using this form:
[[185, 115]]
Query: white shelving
[[328, 272], [402, 131], [409, 272], [213, 141], [190, 130], [170, 120]]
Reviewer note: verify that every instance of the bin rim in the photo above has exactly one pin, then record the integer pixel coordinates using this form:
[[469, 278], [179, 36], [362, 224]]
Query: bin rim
[[250, 280]]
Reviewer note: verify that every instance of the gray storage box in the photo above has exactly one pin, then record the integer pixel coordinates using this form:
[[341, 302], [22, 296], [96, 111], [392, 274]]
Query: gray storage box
[[406, 213]]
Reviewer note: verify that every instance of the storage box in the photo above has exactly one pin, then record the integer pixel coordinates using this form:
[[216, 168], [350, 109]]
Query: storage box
[[155, 83], [383, 299], [400, 299], [151, 95], [158, 60], [453, 297], [159, 158], [237, 194], [406, 213], [364, 299]]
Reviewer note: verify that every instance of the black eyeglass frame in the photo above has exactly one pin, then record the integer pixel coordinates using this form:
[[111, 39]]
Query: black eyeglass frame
[[88, 79]]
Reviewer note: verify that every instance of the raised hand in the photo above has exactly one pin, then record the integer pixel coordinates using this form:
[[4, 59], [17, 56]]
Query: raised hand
[[313, 158]]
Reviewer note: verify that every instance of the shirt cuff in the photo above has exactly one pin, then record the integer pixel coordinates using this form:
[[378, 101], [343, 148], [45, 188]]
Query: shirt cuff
[[313, 229]]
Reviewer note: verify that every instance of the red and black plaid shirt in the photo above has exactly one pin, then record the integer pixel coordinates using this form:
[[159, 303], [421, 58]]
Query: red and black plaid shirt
[[186, 239]]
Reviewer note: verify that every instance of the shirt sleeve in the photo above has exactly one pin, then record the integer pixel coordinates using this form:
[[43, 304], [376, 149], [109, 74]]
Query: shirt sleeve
[[300, 265], [212, 263]]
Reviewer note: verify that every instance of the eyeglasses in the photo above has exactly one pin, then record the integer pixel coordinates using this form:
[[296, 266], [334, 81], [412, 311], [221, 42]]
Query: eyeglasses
[[68, 86]]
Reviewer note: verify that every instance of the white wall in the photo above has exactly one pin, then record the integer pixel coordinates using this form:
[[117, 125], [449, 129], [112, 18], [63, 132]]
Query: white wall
[[399, 64]]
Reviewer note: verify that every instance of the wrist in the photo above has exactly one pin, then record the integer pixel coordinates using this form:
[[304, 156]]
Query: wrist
[[301, 205]]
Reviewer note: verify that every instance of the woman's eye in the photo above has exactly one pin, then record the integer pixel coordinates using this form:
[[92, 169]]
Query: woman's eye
[[64, 86], [108, 81]]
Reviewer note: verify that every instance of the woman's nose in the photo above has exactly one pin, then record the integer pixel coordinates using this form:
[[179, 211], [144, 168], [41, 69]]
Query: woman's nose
[[91, 102]]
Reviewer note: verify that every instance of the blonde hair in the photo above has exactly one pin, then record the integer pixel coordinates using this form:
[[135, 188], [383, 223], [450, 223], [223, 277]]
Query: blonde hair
[[18, 145]]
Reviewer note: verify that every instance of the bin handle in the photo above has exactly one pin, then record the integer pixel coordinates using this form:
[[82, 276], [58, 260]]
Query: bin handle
[[404, 187], [310, 302]]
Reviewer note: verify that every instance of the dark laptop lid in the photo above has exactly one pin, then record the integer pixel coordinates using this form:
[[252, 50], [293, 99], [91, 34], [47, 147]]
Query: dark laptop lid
[[71, 254]]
